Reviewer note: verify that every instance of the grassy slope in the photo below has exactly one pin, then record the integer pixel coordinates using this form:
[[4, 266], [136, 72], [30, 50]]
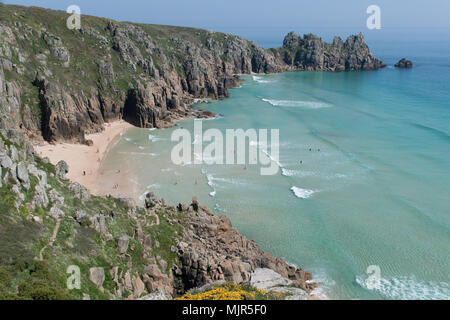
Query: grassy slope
[[21, 240]]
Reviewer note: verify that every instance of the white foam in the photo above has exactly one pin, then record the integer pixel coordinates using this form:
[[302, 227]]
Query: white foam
[[154, 138], [297, 103], [210, 180], [219, 208], [272, 158], [142, 148], [261, 80], [152, 186], [289, 173], [302, 193], [140, 153], [229, 181], [407, 288], [144, 195], [325, 284]]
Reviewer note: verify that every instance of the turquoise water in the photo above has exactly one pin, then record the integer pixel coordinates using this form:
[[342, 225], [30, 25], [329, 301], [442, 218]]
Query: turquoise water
[[377, 192]]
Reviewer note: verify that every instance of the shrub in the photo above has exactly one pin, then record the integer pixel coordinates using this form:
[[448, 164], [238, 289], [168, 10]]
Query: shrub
[[41, 290]]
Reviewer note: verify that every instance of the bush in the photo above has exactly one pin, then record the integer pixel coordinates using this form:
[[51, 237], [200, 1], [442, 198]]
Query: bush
[[5, 277], [41, 290]]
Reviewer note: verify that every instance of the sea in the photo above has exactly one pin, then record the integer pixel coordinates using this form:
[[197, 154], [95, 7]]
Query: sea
[[362, 195]]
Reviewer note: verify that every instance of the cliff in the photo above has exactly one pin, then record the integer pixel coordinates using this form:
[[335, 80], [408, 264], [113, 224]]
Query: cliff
[[312, 53], [49, 225], [58, 85], [61, 83]]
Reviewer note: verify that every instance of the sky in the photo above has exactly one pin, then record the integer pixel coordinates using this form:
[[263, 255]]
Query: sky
[[241, 14]]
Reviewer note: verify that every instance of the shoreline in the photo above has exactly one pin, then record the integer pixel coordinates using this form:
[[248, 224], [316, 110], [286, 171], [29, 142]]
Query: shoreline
[[85, 161], [100, 181]]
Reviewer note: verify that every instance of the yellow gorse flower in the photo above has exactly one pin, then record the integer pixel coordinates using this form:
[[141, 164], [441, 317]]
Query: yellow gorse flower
[[228, 291]]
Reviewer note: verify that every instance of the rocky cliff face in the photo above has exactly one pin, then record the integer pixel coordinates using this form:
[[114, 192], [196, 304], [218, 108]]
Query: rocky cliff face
[[312, 53], [218, 252], [61, 84], [123, 251], [67, 83]]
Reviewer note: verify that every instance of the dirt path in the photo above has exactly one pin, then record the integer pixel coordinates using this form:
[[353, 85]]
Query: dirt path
[[52, 239]]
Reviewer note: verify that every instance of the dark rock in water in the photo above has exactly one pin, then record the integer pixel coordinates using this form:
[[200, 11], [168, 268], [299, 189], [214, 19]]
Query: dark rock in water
[[312, 53], [404, 64]]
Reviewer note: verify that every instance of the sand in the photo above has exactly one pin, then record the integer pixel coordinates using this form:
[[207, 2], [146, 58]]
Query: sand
[[85, 161]]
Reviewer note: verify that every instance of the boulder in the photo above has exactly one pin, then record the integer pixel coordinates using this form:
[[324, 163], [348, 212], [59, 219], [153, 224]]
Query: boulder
[[195, 203], [5, 161], [81, 216], [127, 203], [148, 242], [56, 198], [97, 276], [182, 207], [404, 64], [265, 279], [157, 295], [62, 169], [139, 287], [56, 212], [151, 200], [22, 174], [79, 191], [98, 222], [122, 243]]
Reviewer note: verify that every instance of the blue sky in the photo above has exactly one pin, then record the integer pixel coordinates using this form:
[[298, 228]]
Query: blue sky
[[240, 14]]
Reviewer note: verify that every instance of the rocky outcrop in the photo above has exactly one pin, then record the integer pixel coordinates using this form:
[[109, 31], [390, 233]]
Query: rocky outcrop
[[97, 276], [218, 252], [312, 53], [155, 252], [404, 64], [148, 75]]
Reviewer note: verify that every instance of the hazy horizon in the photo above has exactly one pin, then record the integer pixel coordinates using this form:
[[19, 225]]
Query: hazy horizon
[[283, 14]]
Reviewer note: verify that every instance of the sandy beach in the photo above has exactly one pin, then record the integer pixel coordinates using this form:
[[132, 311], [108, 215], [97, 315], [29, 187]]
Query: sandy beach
[[85, 161]]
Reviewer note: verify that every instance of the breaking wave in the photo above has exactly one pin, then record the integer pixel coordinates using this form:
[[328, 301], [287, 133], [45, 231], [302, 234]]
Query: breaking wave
[[154, 138], [407, 288], [262, 79], [297, 103], [302, 193]]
